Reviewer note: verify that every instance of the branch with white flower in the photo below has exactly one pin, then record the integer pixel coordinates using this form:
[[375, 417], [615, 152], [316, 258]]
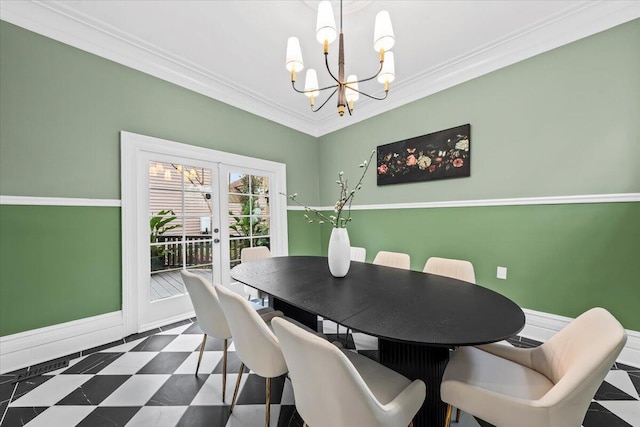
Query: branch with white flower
[[345, 199]]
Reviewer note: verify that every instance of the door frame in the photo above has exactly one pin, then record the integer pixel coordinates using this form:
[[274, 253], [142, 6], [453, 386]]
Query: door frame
[[131, 148]]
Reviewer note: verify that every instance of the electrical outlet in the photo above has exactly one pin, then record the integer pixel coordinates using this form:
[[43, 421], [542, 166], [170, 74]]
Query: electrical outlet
[[502, 273]]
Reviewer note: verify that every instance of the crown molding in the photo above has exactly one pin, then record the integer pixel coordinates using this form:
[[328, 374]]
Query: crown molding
[[55, 20]]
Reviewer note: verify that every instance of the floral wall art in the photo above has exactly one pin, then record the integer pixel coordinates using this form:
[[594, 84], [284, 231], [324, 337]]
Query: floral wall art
[[438, 155]]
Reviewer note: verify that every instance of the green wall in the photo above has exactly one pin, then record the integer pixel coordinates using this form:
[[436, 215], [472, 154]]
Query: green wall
[[61, 111], [563, 123]]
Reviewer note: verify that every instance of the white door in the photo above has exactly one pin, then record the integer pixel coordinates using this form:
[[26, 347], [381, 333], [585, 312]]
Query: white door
[[186, 207], [183, 216]]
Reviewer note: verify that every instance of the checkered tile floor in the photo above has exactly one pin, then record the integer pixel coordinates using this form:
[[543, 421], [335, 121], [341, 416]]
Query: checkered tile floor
[[148, 380]]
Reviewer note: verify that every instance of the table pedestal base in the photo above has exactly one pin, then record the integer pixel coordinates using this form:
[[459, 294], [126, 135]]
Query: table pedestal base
[[416, 361]]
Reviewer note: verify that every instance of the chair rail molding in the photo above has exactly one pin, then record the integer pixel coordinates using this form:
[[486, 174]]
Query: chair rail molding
[[514, 201], [58, 201]]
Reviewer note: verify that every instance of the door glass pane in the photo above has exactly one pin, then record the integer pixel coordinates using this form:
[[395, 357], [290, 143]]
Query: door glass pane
[[180, 203], [249, 213]]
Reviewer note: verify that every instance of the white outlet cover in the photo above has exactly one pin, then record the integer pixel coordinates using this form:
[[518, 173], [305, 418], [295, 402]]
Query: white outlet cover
[[502, 273]]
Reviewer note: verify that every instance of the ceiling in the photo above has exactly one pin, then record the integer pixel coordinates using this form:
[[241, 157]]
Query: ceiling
[[234, 51]]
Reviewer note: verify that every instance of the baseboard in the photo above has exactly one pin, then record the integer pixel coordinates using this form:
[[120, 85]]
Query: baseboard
[[44, 344], [166, 321], [541, 326]]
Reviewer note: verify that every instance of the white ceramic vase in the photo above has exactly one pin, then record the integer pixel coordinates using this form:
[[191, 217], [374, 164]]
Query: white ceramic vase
[[339, 252]]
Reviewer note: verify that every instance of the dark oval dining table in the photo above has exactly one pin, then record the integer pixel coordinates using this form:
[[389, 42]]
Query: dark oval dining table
[[417, 317]]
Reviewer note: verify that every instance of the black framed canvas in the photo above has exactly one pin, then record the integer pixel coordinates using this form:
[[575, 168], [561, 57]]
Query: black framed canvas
[[438, 155]]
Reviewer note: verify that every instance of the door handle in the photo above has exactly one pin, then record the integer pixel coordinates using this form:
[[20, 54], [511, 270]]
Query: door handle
[[216, 240]]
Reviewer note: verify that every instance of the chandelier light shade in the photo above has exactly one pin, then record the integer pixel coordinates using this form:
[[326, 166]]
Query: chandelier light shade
[[347, 90], [294, 55]]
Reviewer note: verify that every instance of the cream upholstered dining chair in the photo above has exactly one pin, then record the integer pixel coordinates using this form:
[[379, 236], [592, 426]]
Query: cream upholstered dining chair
[[358, 254], [393, 259], [548, 386], [252, 254], [210, 316], [256, 345], [338, 388], [454, 268]]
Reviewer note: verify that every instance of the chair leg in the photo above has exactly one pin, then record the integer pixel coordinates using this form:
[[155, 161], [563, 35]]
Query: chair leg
[[224, 370], [204, 341], [268, 404], [304, 424], [457, 414], [411, 423], [447, 420], [235, 393]]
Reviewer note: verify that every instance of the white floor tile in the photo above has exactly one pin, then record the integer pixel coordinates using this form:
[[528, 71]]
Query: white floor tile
[[628, 410], [177, 330], [187, 342], [253, 415], [128, 363], [52, 391], [621, 380], [157, 416], [211, 391], [61, 416], [287, 393], [364, 341], [210, 360], [136, 391]]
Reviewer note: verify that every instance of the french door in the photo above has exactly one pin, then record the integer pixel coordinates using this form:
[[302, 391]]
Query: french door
[[191, 208]]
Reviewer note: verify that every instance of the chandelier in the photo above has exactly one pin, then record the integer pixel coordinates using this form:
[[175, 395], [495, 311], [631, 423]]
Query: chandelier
[[347, 89]]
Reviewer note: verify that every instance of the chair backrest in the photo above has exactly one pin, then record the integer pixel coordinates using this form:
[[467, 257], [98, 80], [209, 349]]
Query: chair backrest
[[576, 360], [206, 304], [255, 343], [393, 259], [454, 268], [257, 252], [358, 254], [328, 389]]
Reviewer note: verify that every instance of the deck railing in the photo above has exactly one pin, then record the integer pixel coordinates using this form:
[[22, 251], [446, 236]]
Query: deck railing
[[198, 249]]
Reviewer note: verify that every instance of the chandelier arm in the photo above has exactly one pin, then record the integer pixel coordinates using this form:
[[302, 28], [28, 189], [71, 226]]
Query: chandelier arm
[[325, 101], [293, 85], [373, 97], [372, 77], [326, 63]]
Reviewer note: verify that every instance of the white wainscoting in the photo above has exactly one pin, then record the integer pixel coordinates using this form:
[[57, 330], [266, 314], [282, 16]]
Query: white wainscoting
[[541, 326], [41, 345]]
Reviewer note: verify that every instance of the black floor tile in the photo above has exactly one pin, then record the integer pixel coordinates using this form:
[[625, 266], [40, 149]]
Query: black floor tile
[[95, 390], [93, 363], [254, 392], [529, 342], [102, 347], [26, 386], [175, 325], [607, 391], [154, 343], [599, 416], [635, 379], [193, 329], [482, 423], [164, 363], [289, 417], [178, 390], [109, 417], [196, 416], [142, 335], [215, 344], [627, 368], [6, 387], [233, 364], [21, 416]]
